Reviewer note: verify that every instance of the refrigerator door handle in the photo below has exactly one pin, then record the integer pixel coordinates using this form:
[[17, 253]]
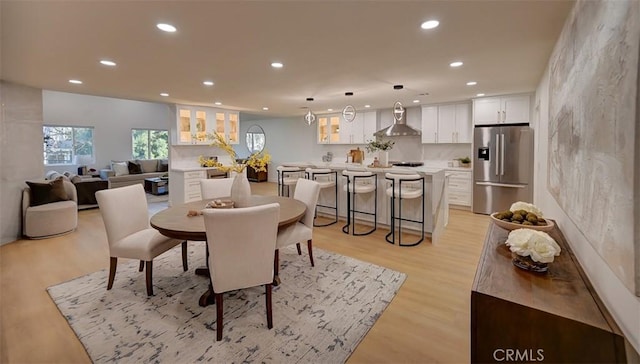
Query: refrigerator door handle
[[502, 154], [497, 153], [500, 184]]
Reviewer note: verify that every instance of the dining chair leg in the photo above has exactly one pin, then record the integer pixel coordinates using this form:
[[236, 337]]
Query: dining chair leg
[[185, 264], [141, 267], [298, 247], [113, 264], [268, 301], [218, 316], [276, 263], [149, 278], [310, 249]]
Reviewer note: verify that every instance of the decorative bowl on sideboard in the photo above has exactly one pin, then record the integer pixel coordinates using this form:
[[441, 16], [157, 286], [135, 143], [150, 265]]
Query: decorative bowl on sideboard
[[512, 226]]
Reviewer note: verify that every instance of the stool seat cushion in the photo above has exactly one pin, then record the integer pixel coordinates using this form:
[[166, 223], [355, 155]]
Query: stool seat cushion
[[360, 188], [326, 184], [407, 192]]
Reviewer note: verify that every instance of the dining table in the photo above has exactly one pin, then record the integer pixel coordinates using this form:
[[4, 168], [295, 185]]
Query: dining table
[[179, 222]]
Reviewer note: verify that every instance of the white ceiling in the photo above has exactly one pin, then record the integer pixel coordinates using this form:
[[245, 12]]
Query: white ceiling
[[327, 47]]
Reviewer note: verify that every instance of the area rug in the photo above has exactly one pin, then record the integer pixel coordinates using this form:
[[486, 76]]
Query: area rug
[[320, 313]]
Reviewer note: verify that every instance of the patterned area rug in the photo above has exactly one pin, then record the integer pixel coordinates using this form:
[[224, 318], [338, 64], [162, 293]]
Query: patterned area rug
[[320, 313]]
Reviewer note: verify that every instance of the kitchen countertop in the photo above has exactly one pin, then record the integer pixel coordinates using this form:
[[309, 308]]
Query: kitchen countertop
[[427, 170], [191, 169]]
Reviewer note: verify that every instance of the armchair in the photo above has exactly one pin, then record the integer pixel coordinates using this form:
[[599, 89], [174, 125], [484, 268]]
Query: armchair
[[49, 208]]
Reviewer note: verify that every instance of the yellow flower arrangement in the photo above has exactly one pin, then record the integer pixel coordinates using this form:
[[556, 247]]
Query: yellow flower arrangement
[[257, 161]]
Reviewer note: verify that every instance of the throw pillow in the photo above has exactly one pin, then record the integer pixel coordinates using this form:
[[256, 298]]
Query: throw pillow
[[47, 192], [134, 168], [163, 165], [148, 165], [121, 168]]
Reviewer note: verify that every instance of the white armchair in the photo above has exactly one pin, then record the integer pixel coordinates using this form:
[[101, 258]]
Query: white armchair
[[306, 191], [48, 216], [240, 257], [126, 219]]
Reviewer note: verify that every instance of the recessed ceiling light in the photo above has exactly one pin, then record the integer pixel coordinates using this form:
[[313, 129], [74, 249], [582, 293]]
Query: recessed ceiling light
[[429, 24], [471, 83], [108, 63], [456, 64], [166, 27], [479, 94], [277, 65], [367, 106], [207, 83], [77, 82], [329, 109], [218, 103], [164, 94], [265, 108], [416, 101]]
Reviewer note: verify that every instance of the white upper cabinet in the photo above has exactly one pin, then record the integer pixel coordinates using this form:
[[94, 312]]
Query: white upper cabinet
[[429, 124], [446, 123], [194, 124], [510, 109], [334, 129]]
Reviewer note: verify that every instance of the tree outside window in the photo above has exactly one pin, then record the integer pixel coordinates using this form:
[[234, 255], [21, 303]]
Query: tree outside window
[[150, 144], [67, 144]]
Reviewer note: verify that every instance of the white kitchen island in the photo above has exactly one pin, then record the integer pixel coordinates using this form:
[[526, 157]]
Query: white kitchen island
[[434, 198]]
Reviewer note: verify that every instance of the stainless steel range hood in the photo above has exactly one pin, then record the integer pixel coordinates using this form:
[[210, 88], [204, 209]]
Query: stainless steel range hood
[[399, 127]]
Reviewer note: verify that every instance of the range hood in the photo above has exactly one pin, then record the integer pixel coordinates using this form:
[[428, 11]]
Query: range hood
[[399, 126]]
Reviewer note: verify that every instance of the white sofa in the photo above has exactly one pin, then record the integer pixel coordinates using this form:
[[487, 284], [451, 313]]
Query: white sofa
[[149, 168]]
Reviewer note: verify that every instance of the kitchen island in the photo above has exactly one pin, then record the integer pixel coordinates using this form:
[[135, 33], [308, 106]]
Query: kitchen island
[[434, 198]]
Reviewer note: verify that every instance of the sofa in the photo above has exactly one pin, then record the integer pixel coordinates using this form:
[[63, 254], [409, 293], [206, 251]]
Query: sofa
[[131, 172], [86, 187]]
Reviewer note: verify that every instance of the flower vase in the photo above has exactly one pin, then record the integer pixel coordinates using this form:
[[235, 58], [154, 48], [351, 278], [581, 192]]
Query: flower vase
[[240, 190], [383, 158]]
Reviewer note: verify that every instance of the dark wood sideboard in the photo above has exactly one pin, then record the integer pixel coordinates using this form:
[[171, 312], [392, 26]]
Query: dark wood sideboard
[[521, 316], [255, 176]]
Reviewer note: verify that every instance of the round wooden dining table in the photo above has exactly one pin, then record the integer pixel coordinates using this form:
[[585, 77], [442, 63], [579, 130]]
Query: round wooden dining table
[[176, 223]]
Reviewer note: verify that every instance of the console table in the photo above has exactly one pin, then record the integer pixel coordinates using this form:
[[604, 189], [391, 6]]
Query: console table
[[522, 316]]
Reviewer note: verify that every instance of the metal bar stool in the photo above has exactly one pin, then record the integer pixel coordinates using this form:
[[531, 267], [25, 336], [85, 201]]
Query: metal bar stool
[[326, 178], [360, 182], [404, 186], [287, 177]]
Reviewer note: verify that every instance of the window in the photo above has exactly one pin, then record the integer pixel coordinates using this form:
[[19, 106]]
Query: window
[[150, 144], [68, 145]]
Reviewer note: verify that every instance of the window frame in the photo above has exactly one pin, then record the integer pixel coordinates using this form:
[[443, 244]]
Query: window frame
[[148, 151], [73, 160]]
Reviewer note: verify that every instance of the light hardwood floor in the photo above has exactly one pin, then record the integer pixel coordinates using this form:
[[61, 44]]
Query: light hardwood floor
[[427, 322]]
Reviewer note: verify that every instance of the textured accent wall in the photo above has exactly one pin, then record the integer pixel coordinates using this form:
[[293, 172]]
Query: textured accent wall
[[592, 122], [21, 152]]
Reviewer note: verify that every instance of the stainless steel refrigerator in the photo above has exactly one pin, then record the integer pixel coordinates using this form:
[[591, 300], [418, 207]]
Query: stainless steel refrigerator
[[502, 167]]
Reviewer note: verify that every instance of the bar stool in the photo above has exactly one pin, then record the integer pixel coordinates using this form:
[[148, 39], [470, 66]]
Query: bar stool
[[402, 187], [360, 182], [287, 177], [326, 178]]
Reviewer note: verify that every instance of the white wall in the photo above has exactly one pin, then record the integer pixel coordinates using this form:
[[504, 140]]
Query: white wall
[[620, 301], [112, 119], [21, 151]]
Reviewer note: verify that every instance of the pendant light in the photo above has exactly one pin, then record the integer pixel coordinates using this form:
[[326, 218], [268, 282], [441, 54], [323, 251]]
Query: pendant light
[[310, 117]]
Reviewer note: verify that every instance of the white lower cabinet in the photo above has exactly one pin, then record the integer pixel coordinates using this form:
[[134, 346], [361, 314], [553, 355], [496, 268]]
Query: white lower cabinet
[[460, 188], [185, 186]]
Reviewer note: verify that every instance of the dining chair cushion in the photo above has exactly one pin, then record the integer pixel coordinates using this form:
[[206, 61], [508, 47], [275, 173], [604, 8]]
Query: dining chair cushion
[[293, 234], [142, 245]]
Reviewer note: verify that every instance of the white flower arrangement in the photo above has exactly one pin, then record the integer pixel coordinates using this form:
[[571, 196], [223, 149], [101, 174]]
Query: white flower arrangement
[[525, 206], [537, 245]]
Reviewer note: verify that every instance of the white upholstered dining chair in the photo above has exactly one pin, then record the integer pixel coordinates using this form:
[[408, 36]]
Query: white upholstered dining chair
[[306, 191], [240, 257], [215, 188], [126, 219]]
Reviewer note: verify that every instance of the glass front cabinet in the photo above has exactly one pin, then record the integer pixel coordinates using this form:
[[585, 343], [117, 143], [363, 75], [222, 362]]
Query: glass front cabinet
[[196, 125]]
